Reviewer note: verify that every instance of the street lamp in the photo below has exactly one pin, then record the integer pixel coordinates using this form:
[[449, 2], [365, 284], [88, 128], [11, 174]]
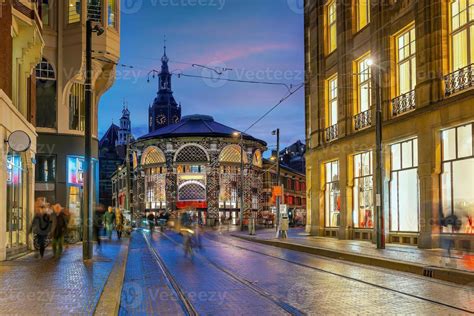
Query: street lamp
[[87, 195], [241, 215], [277, 133]]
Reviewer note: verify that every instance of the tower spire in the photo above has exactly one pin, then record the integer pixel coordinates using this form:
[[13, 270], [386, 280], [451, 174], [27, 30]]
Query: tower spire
[[164, 59]]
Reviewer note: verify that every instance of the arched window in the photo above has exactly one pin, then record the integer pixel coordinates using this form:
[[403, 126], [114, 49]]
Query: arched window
[[45, 95], [191, 154], [231, 154], [152, 156]]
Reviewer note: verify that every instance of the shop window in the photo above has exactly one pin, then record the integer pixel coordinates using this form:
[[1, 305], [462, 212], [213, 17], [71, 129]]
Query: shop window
[[406, 61], [462, 33], [332, 101], [363, 84], [404, 195], [332, 195], [74, 11], [77, 107], [45, 169], [331, 27], [363, 213], [45, 95], [457, 179], [15, 212], [363, 13]]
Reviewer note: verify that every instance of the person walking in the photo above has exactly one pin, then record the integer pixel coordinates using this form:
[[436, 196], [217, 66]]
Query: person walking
[[41, 225], [151, 222], [59, 229], [109, 219], [119, 223], [98, 223]]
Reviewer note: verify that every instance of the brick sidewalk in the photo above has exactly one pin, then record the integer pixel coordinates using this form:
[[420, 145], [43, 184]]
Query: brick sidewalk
[[55, 286], [408, 255]]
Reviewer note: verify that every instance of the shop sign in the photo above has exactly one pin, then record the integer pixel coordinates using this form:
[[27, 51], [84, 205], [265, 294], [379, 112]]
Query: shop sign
[[191, 204], [19, 141]]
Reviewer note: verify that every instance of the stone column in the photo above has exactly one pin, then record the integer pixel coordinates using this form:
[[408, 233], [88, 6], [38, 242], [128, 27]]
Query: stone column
[[213, 187], [171, 185]]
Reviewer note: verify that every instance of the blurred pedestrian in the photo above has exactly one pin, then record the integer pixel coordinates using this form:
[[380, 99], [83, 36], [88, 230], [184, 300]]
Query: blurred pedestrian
[[119, 223], [452, 224], [151, 222], [59, 229], [109, 219], [98, 223], [41, 225]]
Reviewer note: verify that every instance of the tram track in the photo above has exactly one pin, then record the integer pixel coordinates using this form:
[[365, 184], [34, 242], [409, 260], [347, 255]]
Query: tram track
[[172, 284], [214, 239], [285, 306]]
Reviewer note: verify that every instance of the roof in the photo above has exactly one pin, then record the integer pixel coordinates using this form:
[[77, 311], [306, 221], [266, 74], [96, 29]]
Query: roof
[[197, 125], [110, 136], [285, 167]]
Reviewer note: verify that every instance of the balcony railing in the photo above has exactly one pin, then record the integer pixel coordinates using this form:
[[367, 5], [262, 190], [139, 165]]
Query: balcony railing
[[363, 120], [404, 103], [94, 10], [332, 132], [459, 80]]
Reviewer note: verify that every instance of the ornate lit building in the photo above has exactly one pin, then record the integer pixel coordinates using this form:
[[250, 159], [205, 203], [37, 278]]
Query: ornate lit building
[[416, 60], [196, 164], [164, 110]]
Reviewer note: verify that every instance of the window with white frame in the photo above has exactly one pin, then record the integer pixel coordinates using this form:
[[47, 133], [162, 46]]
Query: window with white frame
[[332, 101], [332, 197], [332, 26], [404, 195], [363, 84], [406, 61], [457, 179], [462, 33], [363, 191]]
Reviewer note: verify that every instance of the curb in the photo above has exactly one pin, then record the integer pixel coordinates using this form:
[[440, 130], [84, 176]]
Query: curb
[[109, 301], [450, 275]]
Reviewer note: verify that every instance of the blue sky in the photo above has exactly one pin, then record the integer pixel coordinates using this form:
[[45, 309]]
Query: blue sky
[[260, 40]]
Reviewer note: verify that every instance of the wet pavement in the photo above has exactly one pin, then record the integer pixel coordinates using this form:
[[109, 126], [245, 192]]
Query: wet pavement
[[49, 286], [235, 277], [429, 257]]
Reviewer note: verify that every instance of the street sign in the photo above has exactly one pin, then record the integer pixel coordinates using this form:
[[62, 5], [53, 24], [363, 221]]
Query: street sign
[[19, 141]]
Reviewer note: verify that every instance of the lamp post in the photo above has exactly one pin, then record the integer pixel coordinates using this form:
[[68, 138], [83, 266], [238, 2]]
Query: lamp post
[[241, 215], [277, 133], [87, 195]]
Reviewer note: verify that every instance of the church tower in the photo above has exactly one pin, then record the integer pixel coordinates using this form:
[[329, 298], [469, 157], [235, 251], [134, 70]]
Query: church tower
[[125, 129], [164, 110]]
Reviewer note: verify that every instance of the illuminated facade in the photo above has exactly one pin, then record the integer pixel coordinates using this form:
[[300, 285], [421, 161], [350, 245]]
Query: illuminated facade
[[195, 164], [20, 50], [424, 52]]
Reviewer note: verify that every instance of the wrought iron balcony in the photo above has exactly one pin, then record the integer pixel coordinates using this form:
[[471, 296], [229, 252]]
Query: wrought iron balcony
[[363, 120], [332, 132], [94, 10], [459, 80], [404, 103]]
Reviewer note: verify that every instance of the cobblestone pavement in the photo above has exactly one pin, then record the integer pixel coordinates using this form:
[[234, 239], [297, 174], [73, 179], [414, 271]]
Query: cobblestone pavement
[[48, 286], [429, 257], [234, 277]]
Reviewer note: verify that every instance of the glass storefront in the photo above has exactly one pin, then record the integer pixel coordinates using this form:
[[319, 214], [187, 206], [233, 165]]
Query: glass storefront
[[17, 220], [404, 195], [363, 212], [457, 179], [332, 196]]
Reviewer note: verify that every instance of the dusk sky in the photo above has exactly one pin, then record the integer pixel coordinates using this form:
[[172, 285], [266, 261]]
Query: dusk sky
[[259, 40]]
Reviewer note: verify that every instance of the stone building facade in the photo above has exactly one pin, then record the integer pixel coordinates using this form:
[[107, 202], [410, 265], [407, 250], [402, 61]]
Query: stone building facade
[[416, 57]]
